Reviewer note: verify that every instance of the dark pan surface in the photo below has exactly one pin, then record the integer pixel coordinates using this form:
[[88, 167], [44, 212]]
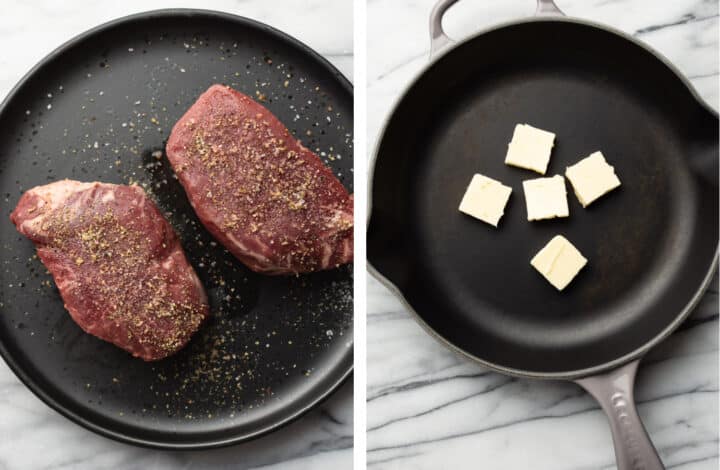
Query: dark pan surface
[[97, 109], [650, 244]]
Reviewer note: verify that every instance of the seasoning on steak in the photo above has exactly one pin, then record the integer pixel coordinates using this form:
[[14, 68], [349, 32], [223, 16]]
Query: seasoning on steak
[[269, 200], [117, 263]]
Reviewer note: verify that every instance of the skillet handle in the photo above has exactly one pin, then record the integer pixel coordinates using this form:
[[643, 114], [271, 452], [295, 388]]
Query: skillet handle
[[614, 392], [439, 40]]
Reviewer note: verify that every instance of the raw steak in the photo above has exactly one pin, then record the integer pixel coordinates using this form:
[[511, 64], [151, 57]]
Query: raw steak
[[117, 263], [269, 200]]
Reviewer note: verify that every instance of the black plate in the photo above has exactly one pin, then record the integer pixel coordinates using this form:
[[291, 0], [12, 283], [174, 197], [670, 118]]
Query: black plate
[[97, 109]]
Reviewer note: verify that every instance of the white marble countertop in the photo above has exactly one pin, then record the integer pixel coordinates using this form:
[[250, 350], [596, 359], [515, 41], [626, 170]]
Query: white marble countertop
[[430, 409], [33, 436]]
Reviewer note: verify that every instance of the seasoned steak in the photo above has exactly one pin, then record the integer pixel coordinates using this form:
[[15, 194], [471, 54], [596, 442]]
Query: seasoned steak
[[117, 263], [269, 200]]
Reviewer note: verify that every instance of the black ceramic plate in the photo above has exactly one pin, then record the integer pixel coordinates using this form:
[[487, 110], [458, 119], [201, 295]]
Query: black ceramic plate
[[100, 108]]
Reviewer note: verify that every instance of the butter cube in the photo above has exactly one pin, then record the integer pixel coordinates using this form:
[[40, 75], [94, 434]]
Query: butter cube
[[530, 148], [485, 199], [591, 178], [559, 261], [546, 198]]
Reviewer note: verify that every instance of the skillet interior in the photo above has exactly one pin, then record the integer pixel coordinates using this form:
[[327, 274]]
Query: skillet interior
[[650, 244]]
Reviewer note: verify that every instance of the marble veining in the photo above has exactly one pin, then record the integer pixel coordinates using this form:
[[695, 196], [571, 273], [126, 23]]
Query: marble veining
[[33, 436], [429, 408]]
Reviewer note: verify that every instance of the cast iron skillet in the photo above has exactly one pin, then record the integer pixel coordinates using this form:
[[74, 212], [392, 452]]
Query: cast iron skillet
[[97, 109], [651, 245]]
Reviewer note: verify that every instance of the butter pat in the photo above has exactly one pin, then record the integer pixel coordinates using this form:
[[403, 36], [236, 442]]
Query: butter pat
[[591, 178], [546, 198], [530, 148], [559, 261], [485, 199]]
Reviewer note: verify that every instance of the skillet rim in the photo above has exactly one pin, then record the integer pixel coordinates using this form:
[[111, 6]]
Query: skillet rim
[[396, 291], [196, 442]]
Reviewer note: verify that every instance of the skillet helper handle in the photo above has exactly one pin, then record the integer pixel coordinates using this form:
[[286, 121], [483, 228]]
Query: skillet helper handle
[[439, 40], [548, 8], [614, 392]]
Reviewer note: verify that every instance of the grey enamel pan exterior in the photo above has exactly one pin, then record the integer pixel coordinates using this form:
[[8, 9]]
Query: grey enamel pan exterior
[[610, 378]]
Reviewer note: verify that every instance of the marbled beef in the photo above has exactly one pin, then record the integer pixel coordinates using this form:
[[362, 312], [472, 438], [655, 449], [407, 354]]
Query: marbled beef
[[265, 197], [117, 263]]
